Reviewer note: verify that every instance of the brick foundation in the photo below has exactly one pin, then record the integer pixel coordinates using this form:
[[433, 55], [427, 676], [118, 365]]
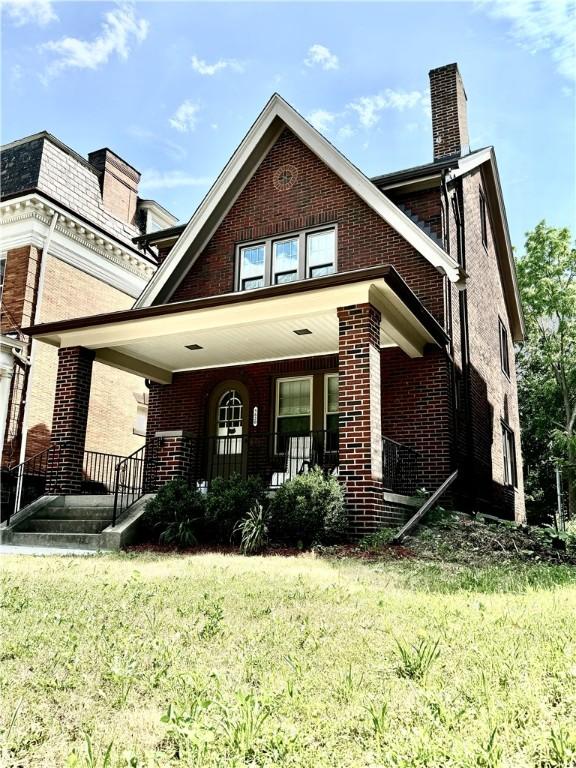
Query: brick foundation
[[70, 418]]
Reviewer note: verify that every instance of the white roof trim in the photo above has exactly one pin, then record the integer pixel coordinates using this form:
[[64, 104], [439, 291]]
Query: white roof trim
[[333, 159]]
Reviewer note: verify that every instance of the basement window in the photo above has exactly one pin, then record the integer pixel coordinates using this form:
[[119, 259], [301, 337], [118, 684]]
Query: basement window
[[280, 260]]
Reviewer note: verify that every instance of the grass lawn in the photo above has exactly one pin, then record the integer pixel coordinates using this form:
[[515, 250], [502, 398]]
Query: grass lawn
[[220, 660]]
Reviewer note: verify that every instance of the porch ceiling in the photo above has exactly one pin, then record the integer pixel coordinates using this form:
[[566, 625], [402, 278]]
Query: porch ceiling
[[250, 327]]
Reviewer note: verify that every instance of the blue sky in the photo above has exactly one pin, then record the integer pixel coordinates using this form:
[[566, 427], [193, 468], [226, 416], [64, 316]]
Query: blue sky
[[172, 87]]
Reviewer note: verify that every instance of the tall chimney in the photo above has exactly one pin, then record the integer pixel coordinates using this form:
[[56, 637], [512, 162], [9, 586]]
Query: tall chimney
[[449, 112], [118, 182]]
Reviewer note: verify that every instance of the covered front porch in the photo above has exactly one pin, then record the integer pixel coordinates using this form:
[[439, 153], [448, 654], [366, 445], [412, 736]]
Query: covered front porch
[[267, 382]]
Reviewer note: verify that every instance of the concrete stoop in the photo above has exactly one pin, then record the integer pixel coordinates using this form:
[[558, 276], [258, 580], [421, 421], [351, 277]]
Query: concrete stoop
[[73, 522]]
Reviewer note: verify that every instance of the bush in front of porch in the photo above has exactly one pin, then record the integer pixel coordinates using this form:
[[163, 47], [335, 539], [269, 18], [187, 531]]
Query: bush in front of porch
[[306, 510]]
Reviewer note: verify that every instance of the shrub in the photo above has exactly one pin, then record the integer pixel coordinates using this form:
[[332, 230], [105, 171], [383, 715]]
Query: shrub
[[253, 530], [308, 508], [175, 515], [378, 539], [230, 500]]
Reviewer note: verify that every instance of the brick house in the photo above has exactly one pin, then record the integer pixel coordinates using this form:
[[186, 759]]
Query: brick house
[[307, 314], [66, 227]]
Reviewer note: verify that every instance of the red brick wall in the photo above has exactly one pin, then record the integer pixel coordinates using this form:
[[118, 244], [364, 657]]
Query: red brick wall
[[317, 197]]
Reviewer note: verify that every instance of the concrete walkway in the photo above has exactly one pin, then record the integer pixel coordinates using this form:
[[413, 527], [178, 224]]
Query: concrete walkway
[[9, 549]]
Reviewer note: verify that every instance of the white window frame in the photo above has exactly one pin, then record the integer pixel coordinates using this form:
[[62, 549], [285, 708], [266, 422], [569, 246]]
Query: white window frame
[[326, 411], [509, 456], [277, 401], [247, 246], [504, 348], [268, 243]]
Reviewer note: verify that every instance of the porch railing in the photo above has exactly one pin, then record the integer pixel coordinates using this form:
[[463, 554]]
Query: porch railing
[[134, 476], [26, 482], [400, 467], [99, 472], [274, 457]]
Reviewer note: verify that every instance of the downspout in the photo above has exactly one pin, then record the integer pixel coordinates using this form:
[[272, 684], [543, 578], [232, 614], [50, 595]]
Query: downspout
[[32, 355], [469, 474]]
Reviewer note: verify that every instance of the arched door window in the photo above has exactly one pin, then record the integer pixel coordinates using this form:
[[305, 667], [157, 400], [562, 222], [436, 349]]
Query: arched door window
[[229, 421]]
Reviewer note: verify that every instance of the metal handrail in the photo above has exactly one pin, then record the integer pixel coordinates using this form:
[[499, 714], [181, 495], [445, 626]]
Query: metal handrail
[[135, 475], [400, 467], [99, 472], [35, 468]]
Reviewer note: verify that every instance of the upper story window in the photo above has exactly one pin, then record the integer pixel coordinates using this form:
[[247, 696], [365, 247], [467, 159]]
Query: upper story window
[[281, 260], [483, 220], [504, 356]]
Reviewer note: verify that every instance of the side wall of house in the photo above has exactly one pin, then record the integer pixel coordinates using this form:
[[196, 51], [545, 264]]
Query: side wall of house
[[494, 395], [68, 292]]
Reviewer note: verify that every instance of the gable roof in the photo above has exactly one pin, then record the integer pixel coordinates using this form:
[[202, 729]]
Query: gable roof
[[274, 118]]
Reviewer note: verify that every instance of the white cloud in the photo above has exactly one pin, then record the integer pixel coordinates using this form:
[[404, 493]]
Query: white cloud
[[29, 11], [170, 148], [541, 25], [369, 108], [321, 119], [153, 179], [186, 117], [321, 56], [203, 68], [119, 27], [346, 132]]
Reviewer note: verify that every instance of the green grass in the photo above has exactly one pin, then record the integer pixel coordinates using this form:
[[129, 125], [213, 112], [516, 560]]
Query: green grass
[[218, 660]]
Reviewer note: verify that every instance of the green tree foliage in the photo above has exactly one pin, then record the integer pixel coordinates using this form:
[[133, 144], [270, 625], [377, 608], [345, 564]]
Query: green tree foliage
[[547, 362]]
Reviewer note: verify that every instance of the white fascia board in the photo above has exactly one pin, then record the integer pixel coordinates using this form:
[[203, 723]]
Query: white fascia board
[[333, 159]]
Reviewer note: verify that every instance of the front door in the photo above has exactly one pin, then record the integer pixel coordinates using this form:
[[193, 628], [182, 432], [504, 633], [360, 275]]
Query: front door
[[228, 443]]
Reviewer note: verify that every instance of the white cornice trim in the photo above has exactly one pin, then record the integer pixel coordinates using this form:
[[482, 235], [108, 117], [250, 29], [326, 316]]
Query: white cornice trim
[[26, 222], [241, 167]]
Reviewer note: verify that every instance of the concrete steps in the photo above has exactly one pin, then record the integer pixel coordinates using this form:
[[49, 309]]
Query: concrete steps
[[66, 522], [61, 540], [66, 525]]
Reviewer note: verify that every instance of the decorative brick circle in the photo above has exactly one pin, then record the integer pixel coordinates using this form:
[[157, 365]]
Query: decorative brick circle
[[285, 177]]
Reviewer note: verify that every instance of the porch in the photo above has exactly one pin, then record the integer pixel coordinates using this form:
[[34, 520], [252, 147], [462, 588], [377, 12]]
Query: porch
[[329, 331]]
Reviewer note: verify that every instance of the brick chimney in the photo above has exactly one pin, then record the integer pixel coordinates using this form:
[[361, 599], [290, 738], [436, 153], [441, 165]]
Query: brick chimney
[[118, 182], [449, 112]]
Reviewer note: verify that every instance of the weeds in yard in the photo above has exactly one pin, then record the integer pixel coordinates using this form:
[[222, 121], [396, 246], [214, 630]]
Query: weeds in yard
[[242, 725], [90, 758], [209, 624], [378, 719], [416, 659], [123, 674], [562, 749]]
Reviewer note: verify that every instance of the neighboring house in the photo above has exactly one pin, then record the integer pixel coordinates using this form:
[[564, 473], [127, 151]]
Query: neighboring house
[[66, 230], [307, 314]]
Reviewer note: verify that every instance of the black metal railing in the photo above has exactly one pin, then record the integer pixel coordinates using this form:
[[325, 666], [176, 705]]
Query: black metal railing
[[400, 467], [274, 457], [134, 476], [99, 472], [26, 482]]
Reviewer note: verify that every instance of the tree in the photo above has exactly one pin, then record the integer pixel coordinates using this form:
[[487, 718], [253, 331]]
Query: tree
[[547, 360]]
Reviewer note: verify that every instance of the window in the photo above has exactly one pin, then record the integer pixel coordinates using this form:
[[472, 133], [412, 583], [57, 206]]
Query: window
[[139, 426], [251, 267], [293, 406], [320, 249], [509, 456], [285, 261], [331, 402], [504, 358], [282, 260], [483, 220]]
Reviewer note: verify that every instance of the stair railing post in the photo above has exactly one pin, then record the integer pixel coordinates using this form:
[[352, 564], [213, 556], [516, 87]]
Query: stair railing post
[[116, 487]]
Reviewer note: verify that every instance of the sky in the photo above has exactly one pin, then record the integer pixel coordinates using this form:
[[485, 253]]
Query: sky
[[172, 87]]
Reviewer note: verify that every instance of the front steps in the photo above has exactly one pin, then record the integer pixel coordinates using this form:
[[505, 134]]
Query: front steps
[[64, 522]]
